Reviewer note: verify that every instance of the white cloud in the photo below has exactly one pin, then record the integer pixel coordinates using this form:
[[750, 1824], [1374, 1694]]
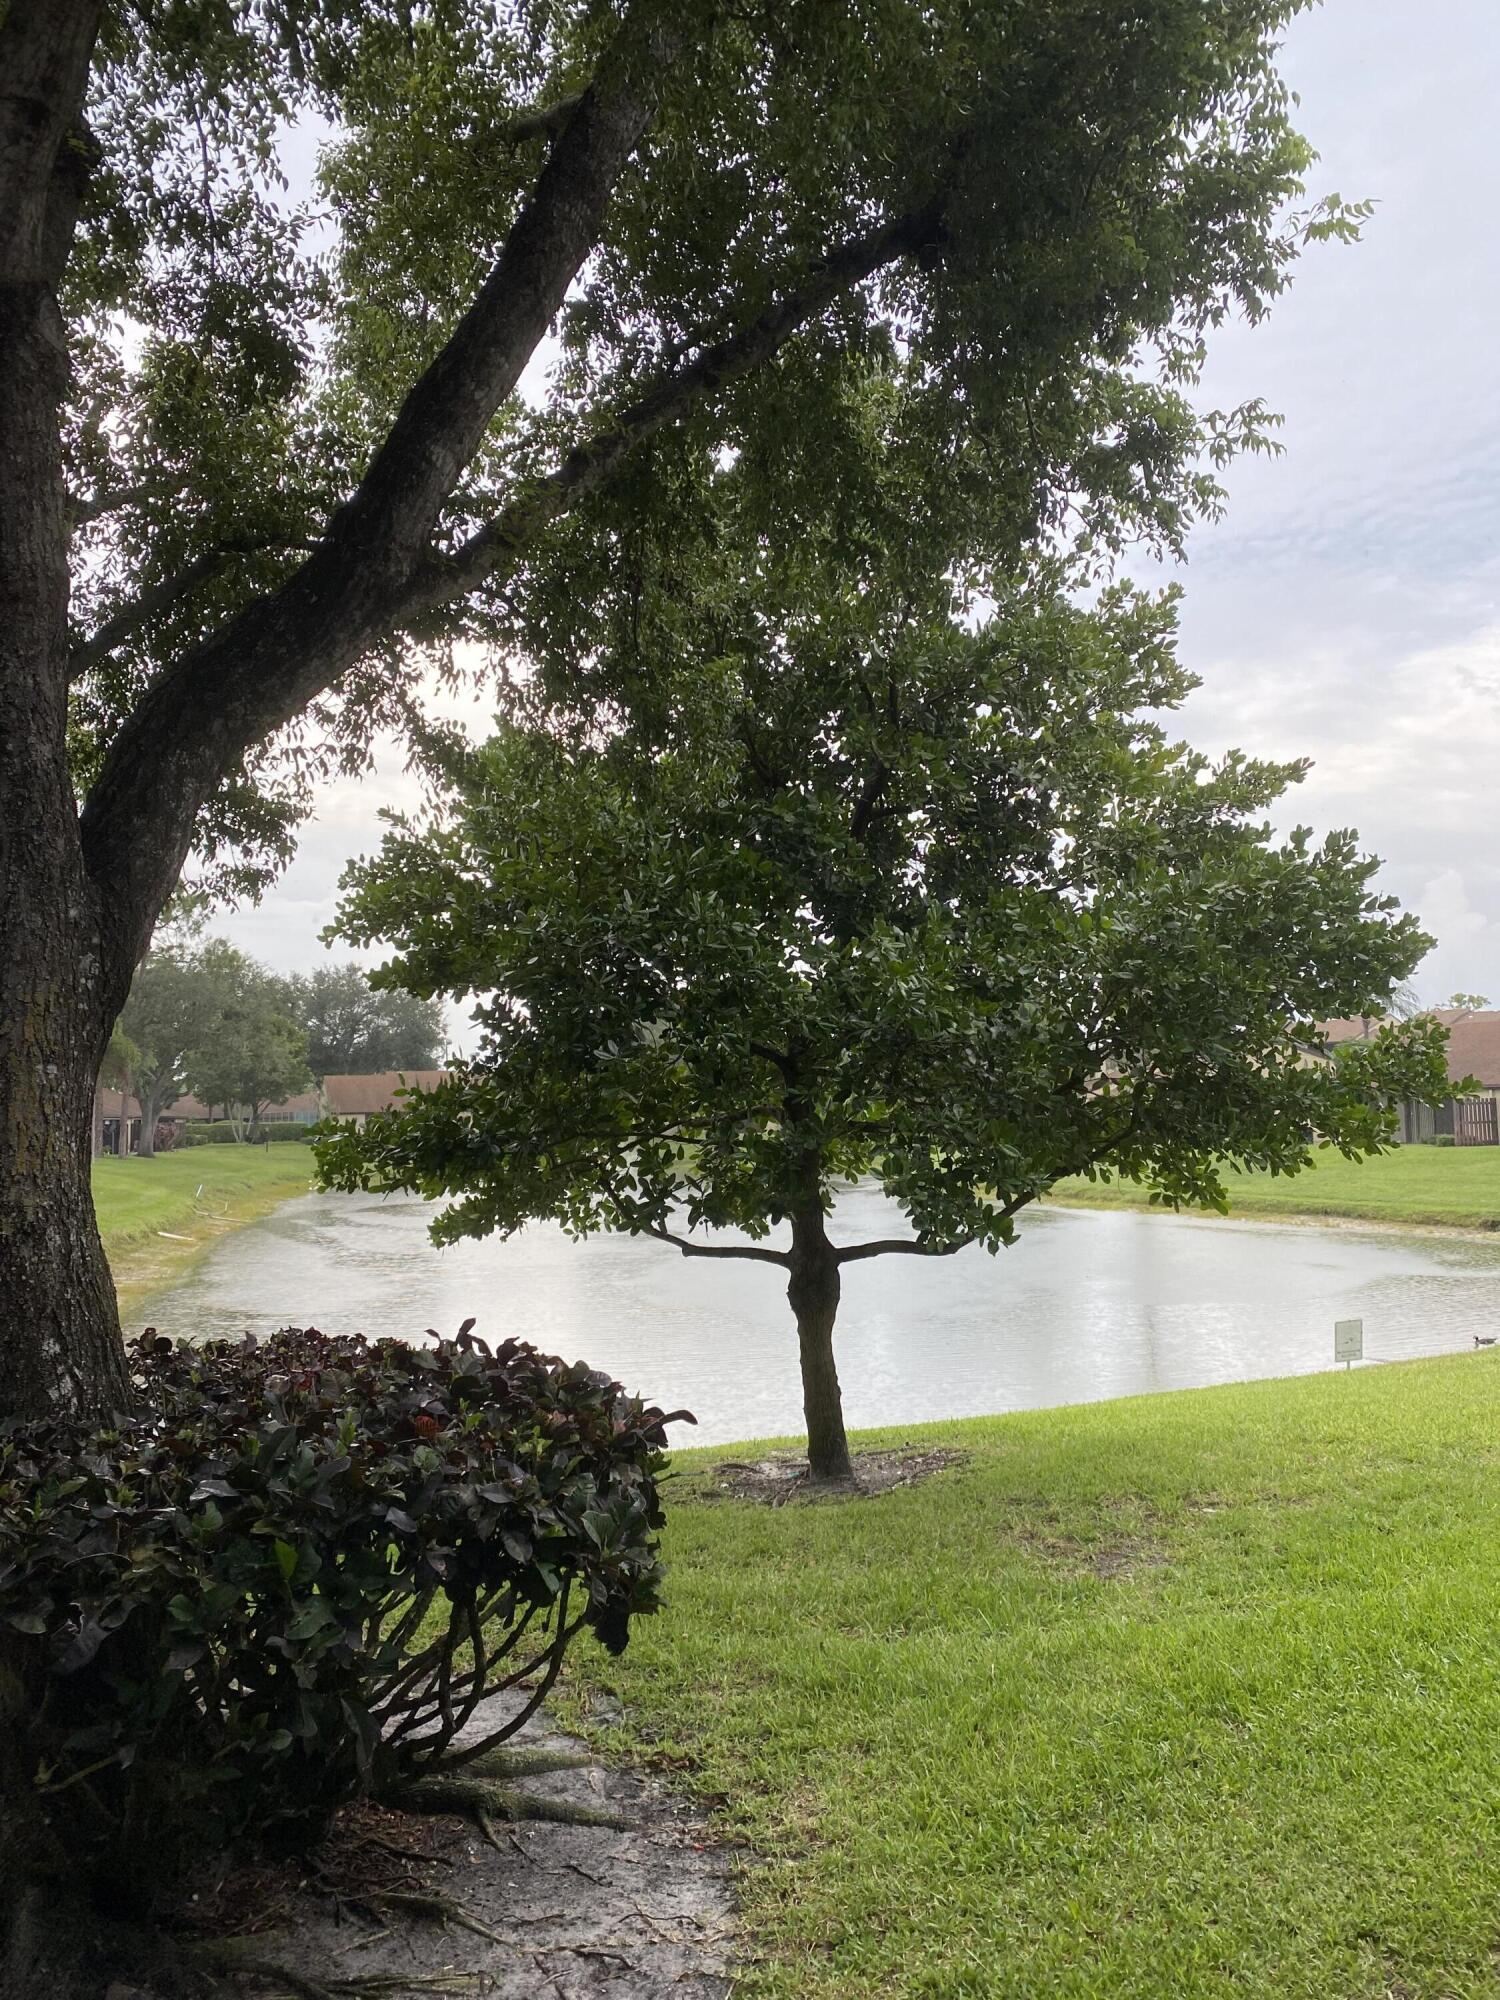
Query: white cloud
[[1469, 946]]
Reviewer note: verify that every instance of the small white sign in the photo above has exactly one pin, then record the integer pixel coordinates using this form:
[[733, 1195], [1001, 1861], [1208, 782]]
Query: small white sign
[[1349, 1340]]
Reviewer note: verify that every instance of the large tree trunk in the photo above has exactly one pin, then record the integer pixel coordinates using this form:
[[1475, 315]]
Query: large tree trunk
[[59, 1331], [59, 1326], [813, 1293], [79, 894]]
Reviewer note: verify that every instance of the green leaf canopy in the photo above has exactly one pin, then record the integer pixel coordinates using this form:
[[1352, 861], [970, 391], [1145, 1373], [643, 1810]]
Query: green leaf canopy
[[877, 891], [1044, 205]]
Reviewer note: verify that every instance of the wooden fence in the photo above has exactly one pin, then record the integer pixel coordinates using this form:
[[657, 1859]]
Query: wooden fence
[[1476, 1121]]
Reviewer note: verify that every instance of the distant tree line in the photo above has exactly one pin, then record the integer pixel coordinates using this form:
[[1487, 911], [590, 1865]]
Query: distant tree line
[[206, 1019], [354, 1029]]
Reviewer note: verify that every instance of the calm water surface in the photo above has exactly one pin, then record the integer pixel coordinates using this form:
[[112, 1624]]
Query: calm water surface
[[1087, 1305]]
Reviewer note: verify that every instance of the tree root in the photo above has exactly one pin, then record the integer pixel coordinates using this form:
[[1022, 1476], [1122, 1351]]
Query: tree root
[[427, 1905], [242, 1958], [506, 1764], [483, 1791], [275, 1981], [487, 1828], [475, 1795]]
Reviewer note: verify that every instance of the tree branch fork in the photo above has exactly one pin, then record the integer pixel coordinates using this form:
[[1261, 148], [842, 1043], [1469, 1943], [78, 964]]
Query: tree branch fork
[[850, 1253], [377, 569]]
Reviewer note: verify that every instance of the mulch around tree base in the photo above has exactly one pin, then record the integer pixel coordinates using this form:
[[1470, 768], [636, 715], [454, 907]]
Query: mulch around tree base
[[547, 1912], [781, 1477]]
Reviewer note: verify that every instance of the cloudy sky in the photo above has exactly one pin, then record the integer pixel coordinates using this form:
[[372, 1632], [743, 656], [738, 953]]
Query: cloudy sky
[[1347, 609]]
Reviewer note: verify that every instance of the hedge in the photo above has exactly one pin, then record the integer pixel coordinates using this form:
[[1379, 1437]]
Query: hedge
[[292, 1574]]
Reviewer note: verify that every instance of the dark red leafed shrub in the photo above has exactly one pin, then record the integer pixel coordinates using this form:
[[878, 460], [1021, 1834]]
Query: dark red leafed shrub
[[292, 1573]]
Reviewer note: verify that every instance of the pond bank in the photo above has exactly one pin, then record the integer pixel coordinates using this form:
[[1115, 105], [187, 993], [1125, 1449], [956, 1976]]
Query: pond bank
[[1411, 1187], [1086, 1305], [158, 1217]]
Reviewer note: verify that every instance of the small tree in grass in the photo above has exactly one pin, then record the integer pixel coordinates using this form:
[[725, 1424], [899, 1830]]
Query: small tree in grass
[[869, 893], [176, 1007], [255, 1057]]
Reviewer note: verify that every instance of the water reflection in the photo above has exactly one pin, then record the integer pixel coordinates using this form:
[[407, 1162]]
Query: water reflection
[[1086, 1305]]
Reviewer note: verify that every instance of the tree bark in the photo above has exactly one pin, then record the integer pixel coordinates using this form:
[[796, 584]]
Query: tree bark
[[59, 1325], [149, 1115], [59, 1329], [813, 1293]]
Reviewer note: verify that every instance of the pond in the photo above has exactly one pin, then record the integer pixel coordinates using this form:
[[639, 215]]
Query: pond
[[1086, 1305]]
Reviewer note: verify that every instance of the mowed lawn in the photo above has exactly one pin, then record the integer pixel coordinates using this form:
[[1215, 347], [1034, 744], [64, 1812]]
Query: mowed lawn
[[1431, 1184], [1191, 1695], [156, 1214]]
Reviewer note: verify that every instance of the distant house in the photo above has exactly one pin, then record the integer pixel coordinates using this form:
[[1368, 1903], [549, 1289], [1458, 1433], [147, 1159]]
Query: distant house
[[1473, 1051], [112, 1106], [353, 1098], [303, 1109], [356, 1098]]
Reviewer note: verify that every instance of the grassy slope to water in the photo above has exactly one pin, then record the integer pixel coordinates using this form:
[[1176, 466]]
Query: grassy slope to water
[[195, 1194], [1458, 1185], [1191, 1695]]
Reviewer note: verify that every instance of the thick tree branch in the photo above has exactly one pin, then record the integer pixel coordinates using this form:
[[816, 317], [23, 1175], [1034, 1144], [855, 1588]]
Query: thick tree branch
[[871, 793], [779, 1059], [444, 418], [375, 573], [161, 597], [754, 1252], [543, 121], [913, 1246], [267, 663], [901, 1246], [591, 462]]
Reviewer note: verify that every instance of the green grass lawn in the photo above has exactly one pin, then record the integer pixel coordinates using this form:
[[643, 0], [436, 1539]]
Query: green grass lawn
[[193, 1195], [1191, 1695], [1443, 1184]]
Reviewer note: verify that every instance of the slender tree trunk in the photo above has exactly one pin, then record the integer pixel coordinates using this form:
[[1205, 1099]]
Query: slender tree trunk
[[813, 1293], [150, 1111]]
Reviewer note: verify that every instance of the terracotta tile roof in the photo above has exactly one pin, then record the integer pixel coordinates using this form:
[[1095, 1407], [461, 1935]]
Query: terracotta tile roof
[[109, 1102], [1473, 1041], [1349, 1029], [358, 1096], [1473, 1046]]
